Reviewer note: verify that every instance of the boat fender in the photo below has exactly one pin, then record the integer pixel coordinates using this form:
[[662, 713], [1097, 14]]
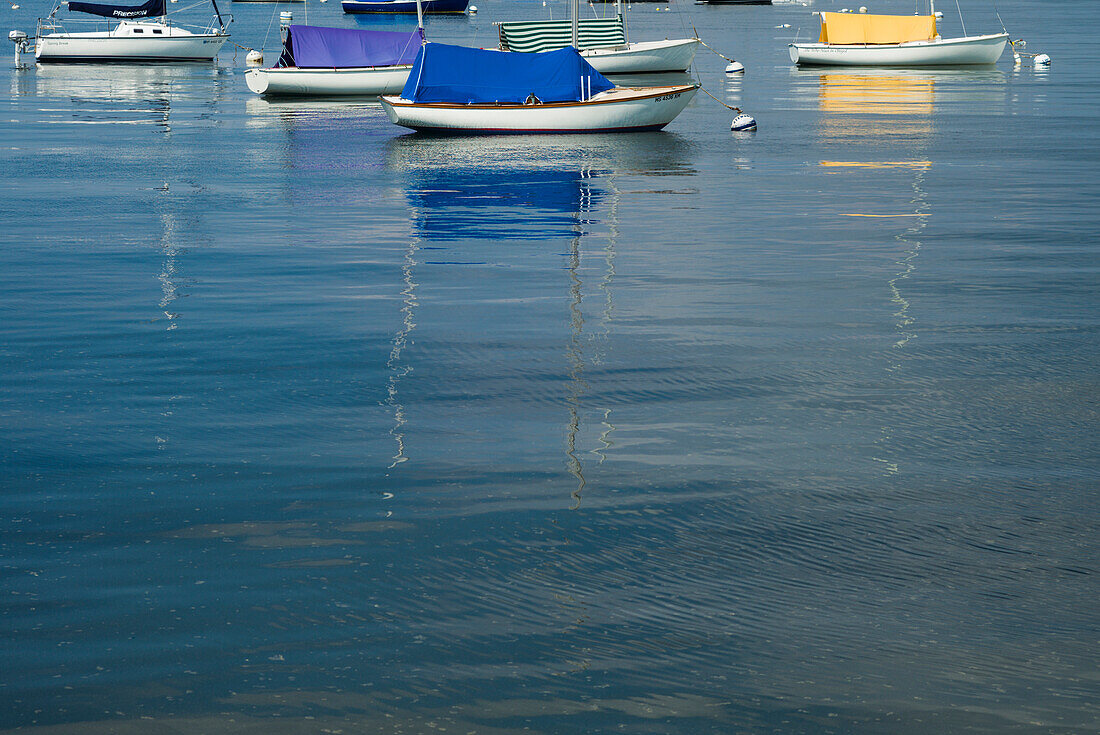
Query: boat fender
[[743, 123], [735, 68], [1042, 60]]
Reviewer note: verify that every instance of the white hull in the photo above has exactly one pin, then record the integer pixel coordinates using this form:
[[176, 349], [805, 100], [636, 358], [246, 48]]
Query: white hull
[[944, 52], [130, 41], [328, 82], [645, 57], [618, 109]]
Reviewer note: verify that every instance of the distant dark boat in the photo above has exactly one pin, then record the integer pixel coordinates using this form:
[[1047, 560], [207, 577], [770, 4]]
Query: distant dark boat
[[733, 2], [404, 6]]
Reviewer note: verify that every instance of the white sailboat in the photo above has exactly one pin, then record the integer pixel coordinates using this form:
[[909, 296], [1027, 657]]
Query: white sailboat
[[367, 63], [602, 42], [453, 89], [338, 61], [137, 36], [851, 39]]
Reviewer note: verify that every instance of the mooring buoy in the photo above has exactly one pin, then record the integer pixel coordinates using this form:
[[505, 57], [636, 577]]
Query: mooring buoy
[[743, 122]]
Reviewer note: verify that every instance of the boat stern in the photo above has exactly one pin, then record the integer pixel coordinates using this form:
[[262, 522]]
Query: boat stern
[[257, 80]]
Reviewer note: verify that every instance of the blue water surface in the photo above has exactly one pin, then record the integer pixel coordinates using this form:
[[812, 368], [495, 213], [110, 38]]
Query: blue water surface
[[313, 425]]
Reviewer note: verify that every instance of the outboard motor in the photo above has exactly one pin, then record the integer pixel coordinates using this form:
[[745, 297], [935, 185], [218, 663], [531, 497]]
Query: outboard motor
[[19, 38]]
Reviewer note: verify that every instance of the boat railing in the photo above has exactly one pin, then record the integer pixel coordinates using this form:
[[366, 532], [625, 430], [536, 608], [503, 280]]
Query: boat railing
[[53, 24]]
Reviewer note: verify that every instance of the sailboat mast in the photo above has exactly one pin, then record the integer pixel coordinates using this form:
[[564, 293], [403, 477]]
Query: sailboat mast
[[419, 17], [576, 12], [221, 23]]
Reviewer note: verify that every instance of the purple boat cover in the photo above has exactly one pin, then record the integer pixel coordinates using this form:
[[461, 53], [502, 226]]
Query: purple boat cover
[[315, 47]]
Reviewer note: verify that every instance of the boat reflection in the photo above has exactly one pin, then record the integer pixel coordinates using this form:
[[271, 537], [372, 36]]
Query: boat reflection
[[290, 114], [523, 188], [126, 95], [895, 101], [896, 111]]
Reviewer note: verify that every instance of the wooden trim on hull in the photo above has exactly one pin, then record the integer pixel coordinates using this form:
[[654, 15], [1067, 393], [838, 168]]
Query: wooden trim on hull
[[432, 130], [664, 91], [617, 110]]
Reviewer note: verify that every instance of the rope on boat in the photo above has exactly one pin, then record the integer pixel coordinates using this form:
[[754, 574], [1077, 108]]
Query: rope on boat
[[708, 94], [708, 46], [1021, 53], [242, 48]]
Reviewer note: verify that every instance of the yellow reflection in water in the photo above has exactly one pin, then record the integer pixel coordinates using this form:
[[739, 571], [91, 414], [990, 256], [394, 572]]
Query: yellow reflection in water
[[877, 95], [916, 165]]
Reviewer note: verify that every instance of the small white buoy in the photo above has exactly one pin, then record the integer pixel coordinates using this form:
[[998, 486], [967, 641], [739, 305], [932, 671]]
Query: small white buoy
[[15, 7], [863, 8], [743, 122], [285, 18], [1016, 59], [735, 67], [254, 57], [473, 10], [1042, 60]]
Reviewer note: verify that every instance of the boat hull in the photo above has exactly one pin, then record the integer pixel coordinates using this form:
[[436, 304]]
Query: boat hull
[[945, 52], [617, 110], [646, 57], [328, 82], [404, 6], [130, 42]]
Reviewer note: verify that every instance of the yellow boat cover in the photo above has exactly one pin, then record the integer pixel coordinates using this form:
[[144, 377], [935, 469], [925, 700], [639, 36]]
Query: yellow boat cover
[[852, 28]]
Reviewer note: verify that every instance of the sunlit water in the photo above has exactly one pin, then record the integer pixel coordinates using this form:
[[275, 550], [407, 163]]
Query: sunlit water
[[310, 425]]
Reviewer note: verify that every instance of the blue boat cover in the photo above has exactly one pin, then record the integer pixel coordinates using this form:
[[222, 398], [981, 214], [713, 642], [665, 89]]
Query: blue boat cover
[[314, 47], [444, 73], [149, 9]]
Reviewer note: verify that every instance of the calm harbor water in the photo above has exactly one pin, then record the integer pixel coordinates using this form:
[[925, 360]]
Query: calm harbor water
[[312, 425]]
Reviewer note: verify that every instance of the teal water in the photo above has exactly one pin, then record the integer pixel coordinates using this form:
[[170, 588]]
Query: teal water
[[312, 425]]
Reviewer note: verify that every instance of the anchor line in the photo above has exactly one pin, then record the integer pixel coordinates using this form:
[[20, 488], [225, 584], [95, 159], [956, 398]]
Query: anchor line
[[709, 47], [708, 94]]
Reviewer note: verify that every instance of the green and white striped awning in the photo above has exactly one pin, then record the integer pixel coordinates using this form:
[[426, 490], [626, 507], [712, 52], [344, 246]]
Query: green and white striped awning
[[547, 35]]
